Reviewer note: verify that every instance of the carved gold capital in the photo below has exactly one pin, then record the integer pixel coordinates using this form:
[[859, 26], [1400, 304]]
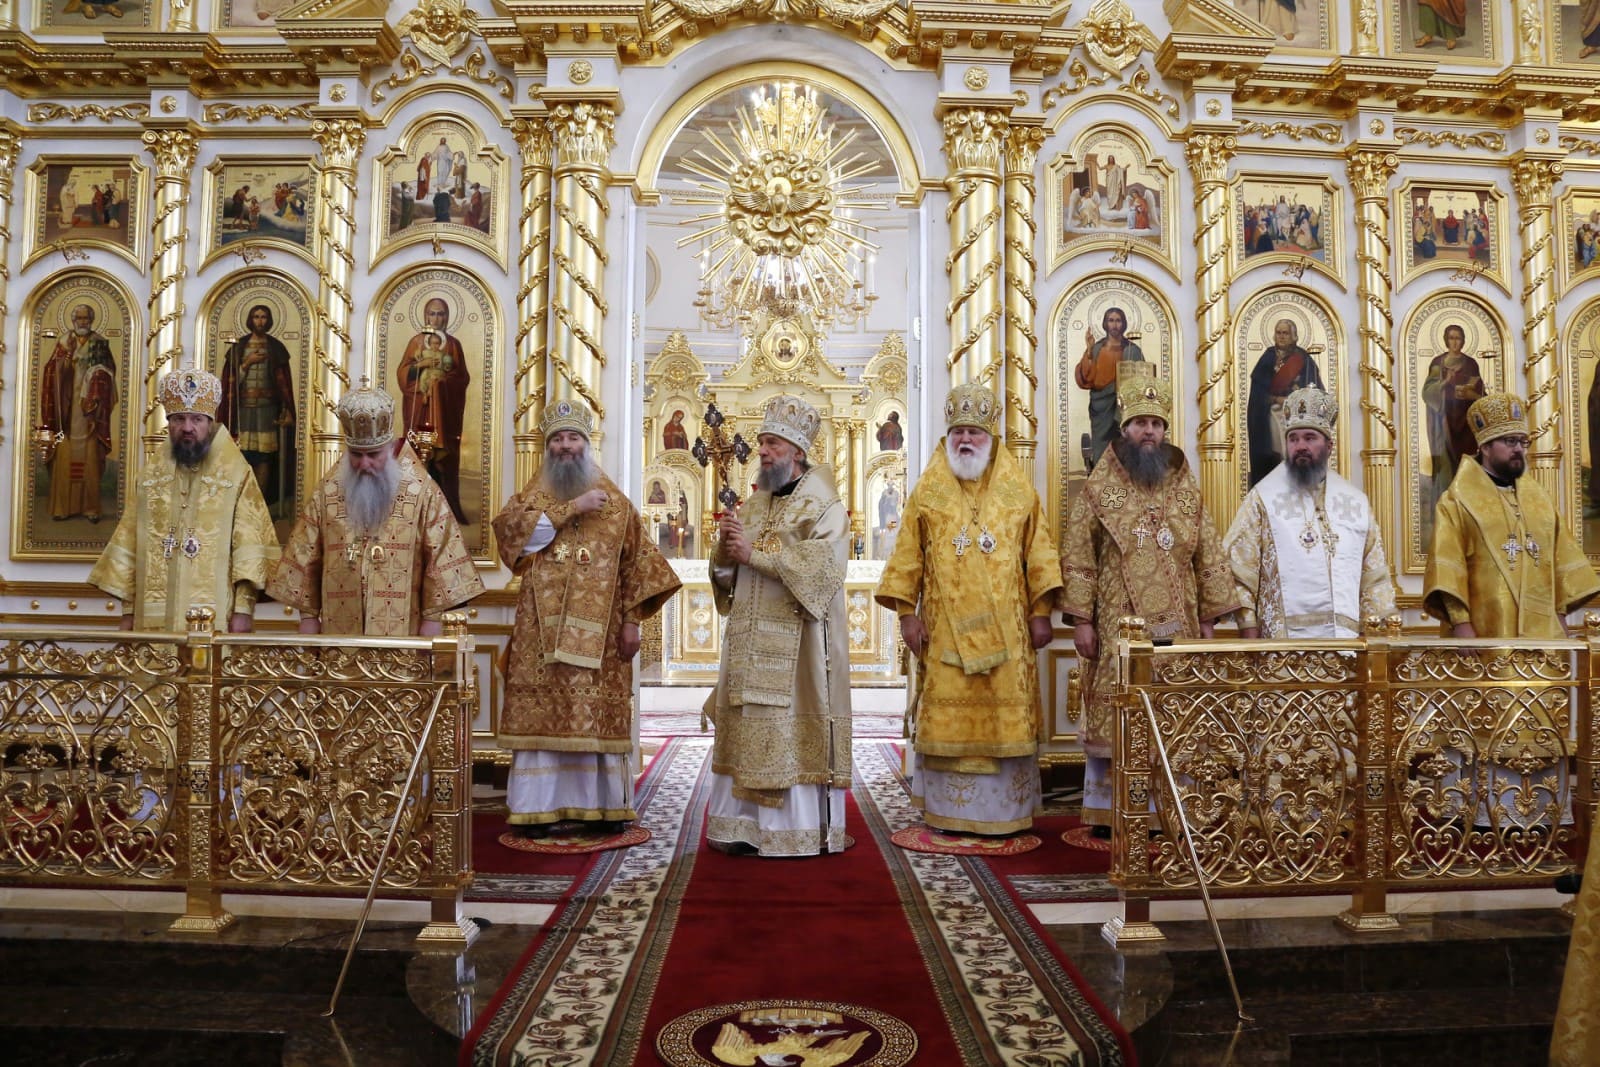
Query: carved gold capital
[[1208, 155], [1534, 180], [1022, 148], [975, 137], [173, 151], [583, 134], [341, 141], [1370, 170], [10, 145], [534, 140]]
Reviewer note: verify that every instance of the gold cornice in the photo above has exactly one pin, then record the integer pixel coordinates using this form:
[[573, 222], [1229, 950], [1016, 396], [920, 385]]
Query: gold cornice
[[342, 43], [1189, 57]]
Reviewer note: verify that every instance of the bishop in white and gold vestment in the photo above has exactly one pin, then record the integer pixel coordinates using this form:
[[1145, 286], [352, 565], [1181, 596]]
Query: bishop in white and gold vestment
[[589, 578], [376, 549], [198, 534], [781, 757], [1305, 548], [973, 579]]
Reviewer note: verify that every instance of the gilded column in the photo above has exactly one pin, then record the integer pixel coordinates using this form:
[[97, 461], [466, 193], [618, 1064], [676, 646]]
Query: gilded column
[[10, 147], [1370, 170], [533, 293], [1208, 155], [1022, 306], [173, 149], [1534, 180], [973, 142], [182, 18], [582, 135], [1366, 40], [341, 140], [858, 477]]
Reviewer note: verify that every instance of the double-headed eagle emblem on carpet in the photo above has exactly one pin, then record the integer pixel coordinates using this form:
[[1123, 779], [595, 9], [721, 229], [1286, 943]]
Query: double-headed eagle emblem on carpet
[[803, 1033]]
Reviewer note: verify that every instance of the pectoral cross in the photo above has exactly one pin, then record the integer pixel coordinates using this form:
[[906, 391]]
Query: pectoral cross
[[168, 543], [1139, 534], [1512, 549], [961, 542], [562, 552]]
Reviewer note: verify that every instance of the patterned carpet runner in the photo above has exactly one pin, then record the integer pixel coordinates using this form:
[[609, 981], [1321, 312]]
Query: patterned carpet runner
[[669, 952]]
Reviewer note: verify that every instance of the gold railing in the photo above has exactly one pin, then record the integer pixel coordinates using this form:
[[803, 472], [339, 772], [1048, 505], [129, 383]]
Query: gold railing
[[1366, 765], [242, 763]]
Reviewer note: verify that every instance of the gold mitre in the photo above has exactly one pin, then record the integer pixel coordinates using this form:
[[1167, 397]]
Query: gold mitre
[[1310, 408], [366, 416], [792, 419], [1497, 415], [1144, 394], [191, 390], [565, 415], [972, 405]]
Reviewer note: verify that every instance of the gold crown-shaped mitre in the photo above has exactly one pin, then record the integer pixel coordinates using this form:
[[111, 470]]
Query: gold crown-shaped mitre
[[1145, 394], [366, 416], [1310, 408], [1497, 415], [792, 419], [566, 415], [191, 390], [972, 405]]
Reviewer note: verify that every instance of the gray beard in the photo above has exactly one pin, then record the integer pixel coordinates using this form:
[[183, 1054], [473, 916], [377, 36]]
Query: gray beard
[[570, 478], [368, 498], [971, 468], [1145, 468], [190, 455], [1308, 476], [780, 474]]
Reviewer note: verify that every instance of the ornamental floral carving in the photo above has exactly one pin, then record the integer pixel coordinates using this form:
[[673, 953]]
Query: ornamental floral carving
[[973, 138], [865, 13]]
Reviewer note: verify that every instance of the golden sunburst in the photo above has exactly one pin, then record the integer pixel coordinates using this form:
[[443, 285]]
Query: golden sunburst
[[784, 228]]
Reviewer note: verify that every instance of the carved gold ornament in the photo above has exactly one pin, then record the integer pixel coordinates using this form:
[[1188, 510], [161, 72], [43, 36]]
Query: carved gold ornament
[[976, 79], [168, 105], [781, 228], [1111, 34], [439, 29], [580, 71], [337, 92], [783, 10]]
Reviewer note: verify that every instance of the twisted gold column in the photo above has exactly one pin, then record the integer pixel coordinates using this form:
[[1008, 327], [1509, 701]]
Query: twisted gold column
[[10, 147], [583, 134], [173, 148], [858, 476], [1370, 171], [341, 140], [973, 140], [1022, 306], [1208, 155], [1535, 180], [533, 293]]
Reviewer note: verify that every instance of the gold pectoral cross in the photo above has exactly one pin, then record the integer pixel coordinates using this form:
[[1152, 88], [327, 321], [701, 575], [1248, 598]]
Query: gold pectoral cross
[[1512, 549], [562, 552], [961, 542]]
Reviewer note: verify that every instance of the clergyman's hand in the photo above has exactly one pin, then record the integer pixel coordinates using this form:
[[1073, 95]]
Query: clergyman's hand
[[311, 625], [915, 634], [1463, 629], [1085, 640], [628, 640], [734, 544], [1208, 629], [241, 623], [126, 623], [1039, 631], [592, 501]]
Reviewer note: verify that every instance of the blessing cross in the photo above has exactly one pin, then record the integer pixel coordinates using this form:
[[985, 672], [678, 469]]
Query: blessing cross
[[1512, 548], [716, 448], [961, 542]]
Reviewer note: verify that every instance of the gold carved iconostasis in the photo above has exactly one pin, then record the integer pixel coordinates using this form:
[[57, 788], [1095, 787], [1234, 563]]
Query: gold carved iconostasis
[[481, 206]]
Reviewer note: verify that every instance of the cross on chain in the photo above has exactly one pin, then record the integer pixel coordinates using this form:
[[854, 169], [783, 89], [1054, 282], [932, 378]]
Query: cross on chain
[[168, 543], [961, 542], [1512, 548]]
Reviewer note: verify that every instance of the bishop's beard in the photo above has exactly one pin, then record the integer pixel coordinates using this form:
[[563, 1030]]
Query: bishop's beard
[[368, 497], [191, 455], [1146, 464], [1307, 474], [970, 467], [780, 474], [568, 477]]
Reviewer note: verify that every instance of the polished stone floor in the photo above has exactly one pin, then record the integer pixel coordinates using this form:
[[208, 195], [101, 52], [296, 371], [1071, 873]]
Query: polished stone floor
[[117, 988]]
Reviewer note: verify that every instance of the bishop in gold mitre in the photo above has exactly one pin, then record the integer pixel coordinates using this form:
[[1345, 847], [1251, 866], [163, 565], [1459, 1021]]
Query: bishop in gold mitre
[[589, 578], [973, 579], [198, 534], [376, 549]]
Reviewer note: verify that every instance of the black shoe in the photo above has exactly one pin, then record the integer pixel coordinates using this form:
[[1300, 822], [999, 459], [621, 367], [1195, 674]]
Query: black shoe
[[531, 831], [733, 848], [1101, 832], [609, 827]]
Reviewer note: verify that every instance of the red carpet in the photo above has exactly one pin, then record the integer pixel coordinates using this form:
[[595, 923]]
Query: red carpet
[[671, 928]]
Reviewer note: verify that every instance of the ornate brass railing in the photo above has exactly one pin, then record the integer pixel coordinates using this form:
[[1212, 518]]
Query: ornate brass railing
[[217, 762], [1364, 765]]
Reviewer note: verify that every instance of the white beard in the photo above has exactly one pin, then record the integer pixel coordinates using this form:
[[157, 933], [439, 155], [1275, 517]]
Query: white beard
[[568, 479], [369, 498], [971, 467]]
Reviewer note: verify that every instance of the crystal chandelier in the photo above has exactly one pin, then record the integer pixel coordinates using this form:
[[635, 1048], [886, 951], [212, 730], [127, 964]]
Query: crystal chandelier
[[783, 234]]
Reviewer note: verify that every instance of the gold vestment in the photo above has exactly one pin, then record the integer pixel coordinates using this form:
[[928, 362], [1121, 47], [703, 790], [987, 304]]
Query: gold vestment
[[1473, 574], [567, 689], [200, 539], [980, 688], [416, 566], [782, 701], [1113, 564]]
